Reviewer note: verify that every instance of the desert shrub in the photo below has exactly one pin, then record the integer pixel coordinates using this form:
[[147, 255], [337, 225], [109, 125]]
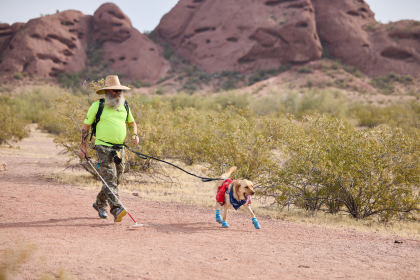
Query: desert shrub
[[11, 124], [325, 102], [217, 102], [12, 260], [193, 136], [386, 83], [333, 166], [262, 74], [28, 106], [403, 115], [352, 70], [12, 263], [305, 70], [17, 76], [301, 103]]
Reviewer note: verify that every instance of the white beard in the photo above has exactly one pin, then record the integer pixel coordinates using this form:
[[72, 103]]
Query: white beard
[[114, 102]]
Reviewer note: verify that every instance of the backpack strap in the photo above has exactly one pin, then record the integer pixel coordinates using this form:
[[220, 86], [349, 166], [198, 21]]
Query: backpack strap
[[98, 117], [127, 109]]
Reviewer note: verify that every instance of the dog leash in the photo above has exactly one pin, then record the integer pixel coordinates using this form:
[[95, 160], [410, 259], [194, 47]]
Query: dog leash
[[143, 156]]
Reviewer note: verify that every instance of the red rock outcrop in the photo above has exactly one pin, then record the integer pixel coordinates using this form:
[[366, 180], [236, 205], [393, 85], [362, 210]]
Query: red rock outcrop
[[246, 35], [49, 45], [242, 35], [7, 32], [349, 32], [128, 52]]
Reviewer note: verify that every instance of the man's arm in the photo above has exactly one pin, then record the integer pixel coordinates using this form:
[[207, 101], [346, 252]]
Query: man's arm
[[85, 134], [132, 127]]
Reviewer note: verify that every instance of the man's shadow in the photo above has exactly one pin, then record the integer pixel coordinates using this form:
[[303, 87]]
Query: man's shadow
[[55, 223]]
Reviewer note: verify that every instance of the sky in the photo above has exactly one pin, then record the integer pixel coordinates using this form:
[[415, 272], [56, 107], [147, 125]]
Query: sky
[[146, 14]]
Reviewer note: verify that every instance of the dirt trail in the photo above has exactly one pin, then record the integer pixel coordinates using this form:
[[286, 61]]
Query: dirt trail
[[177, 241]]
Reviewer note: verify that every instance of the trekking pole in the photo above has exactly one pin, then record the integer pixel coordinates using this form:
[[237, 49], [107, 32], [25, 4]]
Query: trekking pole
[[116, 197]]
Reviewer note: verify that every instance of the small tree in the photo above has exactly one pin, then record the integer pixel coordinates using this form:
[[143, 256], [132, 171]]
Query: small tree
[[336, 167]]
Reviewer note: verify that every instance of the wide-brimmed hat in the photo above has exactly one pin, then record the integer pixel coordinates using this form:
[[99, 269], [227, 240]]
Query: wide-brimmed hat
[[112, 82]]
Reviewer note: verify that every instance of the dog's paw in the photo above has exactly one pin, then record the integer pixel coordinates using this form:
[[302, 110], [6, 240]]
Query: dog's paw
[[225, 224], [256, 223], [219, 219]]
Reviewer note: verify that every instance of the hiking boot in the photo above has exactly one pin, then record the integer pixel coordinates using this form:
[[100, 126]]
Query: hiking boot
[[101, 212], [119, 213]]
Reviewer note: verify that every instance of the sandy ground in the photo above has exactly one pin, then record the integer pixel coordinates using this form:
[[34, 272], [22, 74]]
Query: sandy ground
[[176, 241]]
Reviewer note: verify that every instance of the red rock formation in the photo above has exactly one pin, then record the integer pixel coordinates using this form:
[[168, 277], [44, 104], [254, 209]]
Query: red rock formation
[[7, 32], [48, 45], [349, 32], [129, 52], [242, 35]]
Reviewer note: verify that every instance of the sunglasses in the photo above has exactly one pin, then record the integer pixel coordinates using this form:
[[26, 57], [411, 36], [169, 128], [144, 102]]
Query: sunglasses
[[117, 90]]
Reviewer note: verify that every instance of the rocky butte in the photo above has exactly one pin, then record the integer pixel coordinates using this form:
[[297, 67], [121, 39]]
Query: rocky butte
[[47, 46], [247, 35], [216, 35]]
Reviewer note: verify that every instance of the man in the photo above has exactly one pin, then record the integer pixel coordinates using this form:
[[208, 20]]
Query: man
[[111, 132]]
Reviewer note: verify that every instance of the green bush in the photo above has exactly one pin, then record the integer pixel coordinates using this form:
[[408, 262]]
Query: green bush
[[386, 83], [305, 70], [17, 76], [405, 115], [11, 124], [262, 74], [334, 166]]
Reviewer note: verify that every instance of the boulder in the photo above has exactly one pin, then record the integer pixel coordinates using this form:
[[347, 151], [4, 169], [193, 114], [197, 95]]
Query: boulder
[[47, 46], [128, 52], [349, 32], [7, 32], [242, 35]]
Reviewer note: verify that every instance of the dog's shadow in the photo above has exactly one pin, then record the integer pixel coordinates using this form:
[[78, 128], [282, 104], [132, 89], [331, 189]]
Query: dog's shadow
[[55, 223], [188, 228]]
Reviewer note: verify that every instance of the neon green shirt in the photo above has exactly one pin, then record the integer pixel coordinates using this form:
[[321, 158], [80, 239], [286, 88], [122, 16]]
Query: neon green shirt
[[111, 127]]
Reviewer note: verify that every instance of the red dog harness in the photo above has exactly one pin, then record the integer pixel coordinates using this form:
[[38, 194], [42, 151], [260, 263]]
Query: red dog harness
[[221, 190]]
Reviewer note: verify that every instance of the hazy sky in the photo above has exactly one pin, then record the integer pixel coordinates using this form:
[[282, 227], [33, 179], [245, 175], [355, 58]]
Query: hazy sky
[[145, 14]]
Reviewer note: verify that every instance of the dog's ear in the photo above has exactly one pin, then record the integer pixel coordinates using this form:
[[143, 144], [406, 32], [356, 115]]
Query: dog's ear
[[236, 187]]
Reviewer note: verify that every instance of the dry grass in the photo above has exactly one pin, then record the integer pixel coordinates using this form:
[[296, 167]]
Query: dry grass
[[13, 260]]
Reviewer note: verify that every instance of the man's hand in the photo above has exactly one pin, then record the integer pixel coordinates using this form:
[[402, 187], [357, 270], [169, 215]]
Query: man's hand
[[135, 139], [132, 126], [83, 152], [83, 149]]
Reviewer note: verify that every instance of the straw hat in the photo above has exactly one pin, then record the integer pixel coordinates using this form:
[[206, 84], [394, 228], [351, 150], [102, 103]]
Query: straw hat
[[112, 82]]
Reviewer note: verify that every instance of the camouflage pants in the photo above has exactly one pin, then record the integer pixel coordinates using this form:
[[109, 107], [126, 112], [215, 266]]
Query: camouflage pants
[[112, 174]]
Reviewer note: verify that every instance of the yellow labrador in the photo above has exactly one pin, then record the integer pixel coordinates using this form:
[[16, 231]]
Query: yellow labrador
[[233, 193]]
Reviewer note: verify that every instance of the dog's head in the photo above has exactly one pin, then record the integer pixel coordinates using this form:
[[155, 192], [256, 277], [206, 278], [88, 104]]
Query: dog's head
[[243, 188]]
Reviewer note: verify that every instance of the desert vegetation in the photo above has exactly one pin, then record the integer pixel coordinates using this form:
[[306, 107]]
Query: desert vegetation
[[313, 150]]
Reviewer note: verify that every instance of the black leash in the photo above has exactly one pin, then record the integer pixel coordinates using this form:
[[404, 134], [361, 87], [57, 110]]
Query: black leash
[[143, 156]]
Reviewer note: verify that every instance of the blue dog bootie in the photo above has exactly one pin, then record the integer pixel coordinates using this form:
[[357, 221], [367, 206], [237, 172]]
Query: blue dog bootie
[[218, 217], [225, 224], [256, 223]]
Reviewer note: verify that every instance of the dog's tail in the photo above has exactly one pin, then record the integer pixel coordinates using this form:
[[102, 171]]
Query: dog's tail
[[228, 172]]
